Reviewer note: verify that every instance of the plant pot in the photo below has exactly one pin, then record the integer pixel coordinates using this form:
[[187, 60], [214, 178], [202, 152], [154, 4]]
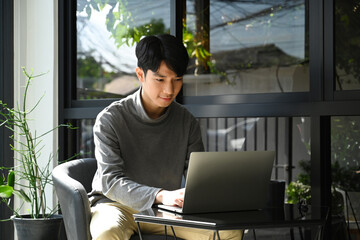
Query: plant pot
[[27, 228]]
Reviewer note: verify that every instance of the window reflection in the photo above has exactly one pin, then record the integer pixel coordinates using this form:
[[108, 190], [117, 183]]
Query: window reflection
[[106, 35], [347, 45], [251, 134], [246, 47], [345, 152], [345, 170]]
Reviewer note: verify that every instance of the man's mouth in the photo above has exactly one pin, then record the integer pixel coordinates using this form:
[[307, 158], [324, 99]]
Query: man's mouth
[[166, 98]]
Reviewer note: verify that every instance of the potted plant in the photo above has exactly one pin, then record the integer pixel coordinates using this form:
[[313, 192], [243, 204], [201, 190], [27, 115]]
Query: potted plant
[[28, 179], [299, 190]]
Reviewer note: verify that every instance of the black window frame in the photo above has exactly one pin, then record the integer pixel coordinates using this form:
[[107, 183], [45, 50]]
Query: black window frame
[[321, 103], [6, 95]]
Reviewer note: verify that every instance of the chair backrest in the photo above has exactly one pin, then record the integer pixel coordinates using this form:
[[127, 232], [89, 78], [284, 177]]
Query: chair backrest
[[72, 181]]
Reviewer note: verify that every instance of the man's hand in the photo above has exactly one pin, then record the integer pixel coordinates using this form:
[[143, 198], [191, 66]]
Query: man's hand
[[174, 198]]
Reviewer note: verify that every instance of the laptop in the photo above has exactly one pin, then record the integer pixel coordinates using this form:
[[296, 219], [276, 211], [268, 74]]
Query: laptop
[[226, 181]]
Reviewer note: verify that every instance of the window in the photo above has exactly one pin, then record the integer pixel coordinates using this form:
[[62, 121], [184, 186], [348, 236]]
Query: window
[[345, 169], [239, 47], [345, 152], [347, 45], [106, 37], [289, 137]]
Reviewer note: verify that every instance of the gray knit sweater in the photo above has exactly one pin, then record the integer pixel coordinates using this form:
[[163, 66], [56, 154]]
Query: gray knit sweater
[[137, 156]]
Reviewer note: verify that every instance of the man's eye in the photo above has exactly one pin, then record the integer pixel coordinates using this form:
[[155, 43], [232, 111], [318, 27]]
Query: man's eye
[[159, 79], [179, 79]]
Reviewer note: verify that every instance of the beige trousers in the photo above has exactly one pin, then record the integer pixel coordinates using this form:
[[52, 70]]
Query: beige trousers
[[115, 221]]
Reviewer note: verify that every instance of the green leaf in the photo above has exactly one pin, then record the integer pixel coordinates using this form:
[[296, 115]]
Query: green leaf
[[2, 179], [6, 191], [116, 15], [11, 178]]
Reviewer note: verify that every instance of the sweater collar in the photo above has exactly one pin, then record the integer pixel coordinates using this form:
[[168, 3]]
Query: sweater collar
[[142, 113]]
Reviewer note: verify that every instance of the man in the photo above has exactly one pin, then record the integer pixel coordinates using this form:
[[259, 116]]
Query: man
[[142, 145]]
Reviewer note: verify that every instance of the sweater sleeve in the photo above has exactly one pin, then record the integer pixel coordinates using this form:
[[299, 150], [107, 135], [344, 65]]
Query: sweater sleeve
[[113, 182]]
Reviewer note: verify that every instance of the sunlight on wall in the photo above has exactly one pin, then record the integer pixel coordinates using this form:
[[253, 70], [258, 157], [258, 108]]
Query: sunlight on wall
[[35, 47]]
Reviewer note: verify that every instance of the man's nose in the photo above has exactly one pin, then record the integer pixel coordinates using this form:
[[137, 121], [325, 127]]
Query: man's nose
[[169, 88]]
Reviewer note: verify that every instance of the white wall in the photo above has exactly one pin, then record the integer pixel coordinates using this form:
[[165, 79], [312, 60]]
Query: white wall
[[35, 47]]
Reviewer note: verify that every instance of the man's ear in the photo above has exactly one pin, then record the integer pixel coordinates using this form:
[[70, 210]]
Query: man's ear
[[140, 74]]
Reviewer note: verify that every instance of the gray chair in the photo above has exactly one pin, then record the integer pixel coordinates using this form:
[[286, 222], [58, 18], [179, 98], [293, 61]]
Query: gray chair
[[72, 181]]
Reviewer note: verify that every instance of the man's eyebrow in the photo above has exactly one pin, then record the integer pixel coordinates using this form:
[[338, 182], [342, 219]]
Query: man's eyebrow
[[158, 75]]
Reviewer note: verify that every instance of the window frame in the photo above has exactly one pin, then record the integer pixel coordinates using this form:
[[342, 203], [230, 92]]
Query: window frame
[[6, 95]]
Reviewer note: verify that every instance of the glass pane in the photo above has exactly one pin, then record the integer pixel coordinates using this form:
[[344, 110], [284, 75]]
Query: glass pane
[[106, 35], [299, 187], [345, 162], [240, 47], [347, 45], [87, 146], [250, 134]]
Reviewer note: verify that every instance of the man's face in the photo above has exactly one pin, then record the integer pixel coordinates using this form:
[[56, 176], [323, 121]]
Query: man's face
[[159, 89]]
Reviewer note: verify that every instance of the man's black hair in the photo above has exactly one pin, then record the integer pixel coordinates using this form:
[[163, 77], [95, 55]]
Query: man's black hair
[[152, 50]]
